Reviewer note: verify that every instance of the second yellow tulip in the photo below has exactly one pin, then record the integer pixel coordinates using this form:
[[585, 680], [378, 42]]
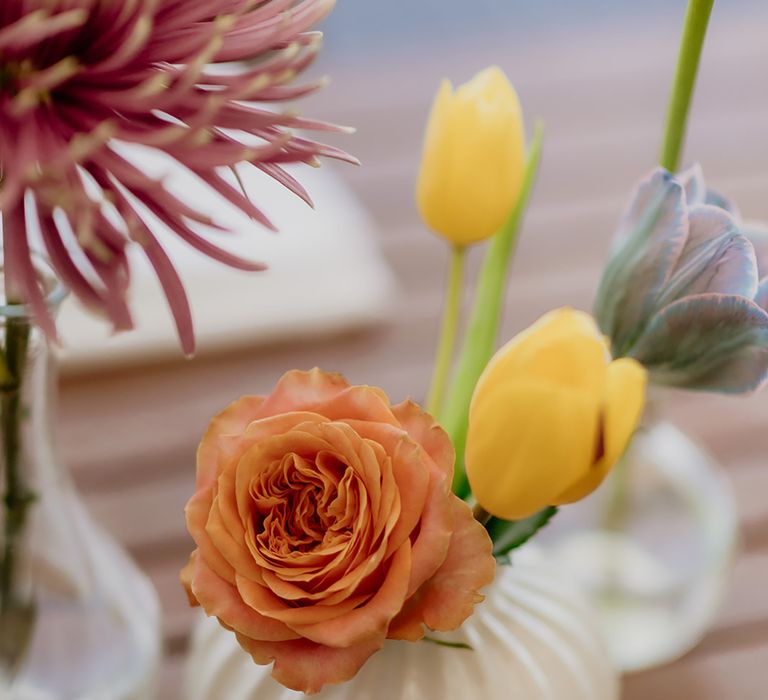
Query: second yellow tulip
[[550, 417]]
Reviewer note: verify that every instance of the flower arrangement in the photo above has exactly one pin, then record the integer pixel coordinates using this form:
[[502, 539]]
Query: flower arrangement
[[326, 519]]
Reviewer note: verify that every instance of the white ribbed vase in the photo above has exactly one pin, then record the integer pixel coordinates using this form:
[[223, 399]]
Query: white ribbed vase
[[533, 638]]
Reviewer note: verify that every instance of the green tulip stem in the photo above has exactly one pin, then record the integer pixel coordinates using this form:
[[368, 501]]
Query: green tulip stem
[[483, 330], [16, 497], [617, 510], [696, 23], [447, 343]]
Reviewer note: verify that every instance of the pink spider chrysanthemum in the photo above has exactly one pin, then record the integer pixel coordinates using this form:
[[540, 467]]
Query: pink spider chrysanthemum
[[79, 76]]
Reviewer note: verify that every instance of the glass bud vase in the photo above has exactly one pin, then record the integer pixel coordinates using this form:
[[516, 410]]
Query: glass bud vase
[[652, 547], [78, 620]]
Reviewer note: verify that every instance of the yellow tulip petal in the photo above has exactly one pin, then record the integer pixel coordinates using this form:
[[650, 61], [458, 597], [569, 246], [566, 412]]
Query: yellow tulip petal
[[527, 442], [563, 346], [624, 403], [623, 409], [578, 362], [473, 160], [437, 159]]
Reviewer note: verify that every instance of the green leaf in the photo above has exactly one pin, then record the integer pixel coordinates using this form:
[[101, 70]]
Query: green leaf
[[450, 645], [508, 535]]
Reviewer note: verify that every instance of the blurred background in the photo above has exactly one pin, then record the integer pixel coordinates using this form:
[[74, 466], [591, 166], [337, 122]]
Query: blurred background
[[597, 73]]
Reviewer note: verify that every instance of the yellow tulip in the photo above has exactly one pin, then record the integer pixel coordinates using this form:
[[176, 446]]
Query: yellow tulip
[[474, 158], [550, 417]]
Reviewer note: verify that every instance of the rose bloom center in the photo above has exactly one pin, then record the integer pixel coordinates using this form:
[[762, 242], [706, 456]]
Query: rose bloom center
[[309, 520]]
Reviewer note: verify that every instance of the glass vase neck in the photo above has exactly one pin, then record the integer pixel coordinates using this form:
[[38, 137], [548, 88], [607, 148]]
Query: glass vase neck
[[53, 291]]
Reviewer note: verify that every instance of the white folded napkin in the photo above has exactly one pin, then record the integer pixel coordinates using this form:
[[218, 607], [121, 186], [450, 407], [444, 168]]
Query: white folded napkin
[[325, 272]]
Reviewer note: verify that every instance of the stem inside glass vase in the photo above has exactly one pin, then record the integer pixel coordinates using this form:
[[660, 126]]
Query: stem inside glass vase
[[77, 617], [17, 498], [17, 612], [17, 603]]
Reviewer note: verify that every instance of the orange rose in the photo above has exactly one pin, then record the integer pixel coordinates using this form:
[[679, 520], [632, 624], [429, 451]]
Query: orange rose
[[325, 523]]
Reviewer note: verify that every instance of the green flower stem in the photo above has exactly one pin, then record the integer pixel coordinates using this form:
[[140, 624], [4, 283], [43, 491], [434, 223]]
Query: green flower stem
[[696, 23], [445, 348], [617, 509], [16, 497], [482, 333]]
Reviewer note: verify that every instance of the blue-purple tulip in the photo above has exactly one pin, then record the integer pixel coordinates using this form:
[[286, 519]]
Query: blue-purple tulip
[[680, 292]]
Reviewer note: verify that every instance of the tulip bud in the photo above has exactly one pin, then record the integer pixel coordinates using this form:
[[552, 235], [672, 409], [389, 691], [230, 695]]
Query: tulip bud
[[474, 159], [681, 294], [550, 417]]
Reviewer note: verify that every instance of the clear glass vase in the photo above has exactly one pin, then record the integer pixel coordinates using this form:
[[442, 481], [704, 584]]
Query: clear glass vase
[[652, 547], [78, 620]]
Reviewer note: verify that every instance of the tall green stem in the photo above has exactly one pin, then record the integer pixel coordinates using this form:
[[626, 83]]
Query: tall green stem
[[696, 23], [482, 333], [16, 497], [446, 345]]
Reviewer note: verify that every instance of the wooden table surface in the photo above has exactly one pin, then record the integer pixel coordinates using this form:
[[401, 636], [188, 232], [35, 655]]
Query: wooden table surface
[[130, 435]]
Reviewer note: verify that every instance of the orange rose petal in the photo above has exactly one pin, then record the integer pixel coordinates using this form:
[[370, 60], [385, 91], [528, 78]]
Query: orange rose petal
[[349, 451], [359, 402], [408, 626], [383, 505], [430, 548], [226, 505], [185, 576], [359, 570], [262, 599], [220, 599], [451, 594], [351, 448], [197, 511], [342, 586], [306, 667], [231, 549], [356, 626], [425, 430], [231, 421], [384, 434], [409, 465], [445, 601], [290, 591], [412, 474], [305, 567], [278, 425], [376, 460], [301, 391], [265, 602]]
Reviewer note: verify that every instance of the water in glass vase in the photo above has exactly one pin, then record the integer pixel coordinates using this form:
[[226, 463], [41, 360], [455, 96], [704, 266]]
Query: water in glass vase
[[78, 620], [652, 547]]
